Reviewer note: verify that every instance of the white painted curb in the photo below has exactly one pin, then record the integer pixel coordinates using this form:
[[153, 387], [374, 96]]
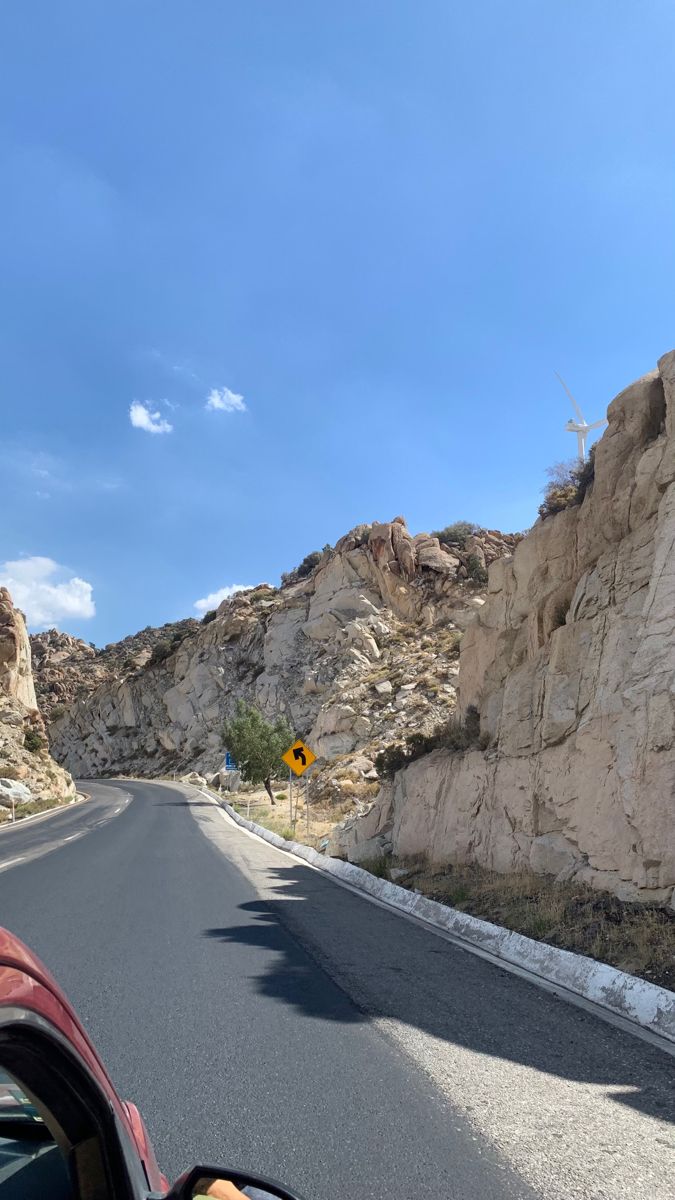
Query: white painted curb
[[635, 1000]]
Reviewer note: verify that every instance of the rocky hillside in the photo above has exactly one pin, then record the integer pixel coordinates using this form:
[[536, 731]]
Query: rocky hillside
[[27, 771], [355, 652], [66, 669], [571, 664]]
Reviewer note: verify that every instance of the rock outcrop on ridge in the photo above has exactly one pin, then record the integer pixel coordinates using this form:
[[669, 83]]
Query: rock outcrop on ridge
[[361, 650], [67, 669]]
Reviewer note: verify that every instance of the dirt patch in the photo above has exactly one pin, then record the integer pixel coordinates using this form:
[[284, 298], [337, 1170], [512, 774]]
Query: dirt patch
[[636, 938]]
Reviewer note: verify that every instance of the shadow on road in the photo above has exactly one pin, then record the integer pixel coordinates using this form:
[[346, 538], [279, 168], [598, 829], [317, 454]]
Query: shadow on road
[[295, 979], [182, 804], [400, 971]]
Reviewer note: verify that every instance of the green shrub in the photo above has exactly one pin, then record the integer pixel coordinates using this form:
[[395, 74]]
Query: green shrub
[[308, 564], [455, 534], [58, 711], [160, 651], [33, 741], [209, 617], [390, 760], [476, 570]]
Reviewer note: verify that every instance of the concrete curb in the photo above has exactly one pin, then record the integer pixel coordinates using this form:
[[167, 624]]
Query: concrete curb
[[632, 999]]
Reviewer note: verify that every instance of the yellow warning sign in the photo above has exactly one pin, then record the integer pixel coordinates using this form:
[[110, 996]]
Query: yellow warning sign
[[299, 757]]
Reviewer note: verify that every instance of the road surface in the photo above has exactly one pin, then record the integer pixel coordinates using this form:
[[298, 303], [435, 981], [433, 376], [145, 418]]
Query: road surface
[[262, 1016]]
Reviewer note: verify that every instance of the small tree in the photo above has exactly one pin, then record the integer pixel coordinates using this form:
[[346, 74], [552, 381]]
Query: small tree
[[256, 745]]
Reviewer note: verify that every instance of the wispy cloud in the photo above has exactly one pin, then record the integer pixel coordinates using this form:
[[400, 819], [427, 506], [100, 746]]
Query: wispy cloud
[[43, 474], [152, 422], [215, 598], [223, 400], [42, 590]]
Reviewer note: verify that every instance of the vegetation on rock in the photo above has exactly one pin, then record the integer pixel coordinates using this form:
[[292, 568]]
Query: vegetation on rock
[[453, 735], [568, 484], [33, 741], [455, 534]]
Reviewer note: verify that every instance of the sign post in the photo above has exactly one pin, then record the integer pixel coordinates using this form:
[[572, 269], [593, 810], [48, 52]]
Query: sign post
[[298, 758]]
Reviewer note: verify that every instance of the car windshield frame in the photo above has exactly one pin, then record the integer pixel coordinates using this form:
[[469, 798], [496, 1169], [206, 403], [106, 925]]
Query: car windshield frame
[[15, 1104]]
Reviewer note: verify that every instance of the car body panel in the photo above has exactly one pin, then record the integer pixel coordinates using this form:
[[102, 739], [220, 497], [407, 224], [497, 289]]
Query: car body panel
[[25, 983]]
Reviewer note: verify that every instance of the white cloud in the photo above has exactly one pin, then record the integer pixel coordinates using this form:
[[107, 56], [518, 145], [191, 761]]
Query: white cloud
[[43, 591], [223, 400], [215, 598], [152, 422]]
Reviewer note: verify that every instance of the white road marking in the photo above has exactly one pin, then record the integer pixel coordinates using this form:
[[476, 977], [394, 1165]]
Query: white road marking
[[73, 837], [11, 861]]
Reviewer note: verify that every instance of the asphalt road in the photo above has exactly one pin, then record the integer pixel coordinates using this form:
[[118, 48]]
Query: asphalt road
[[262, 1016]]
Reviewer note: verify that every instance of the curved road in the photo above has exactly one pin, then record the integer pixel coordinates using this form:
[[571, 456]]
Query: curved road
[[262, 1016]]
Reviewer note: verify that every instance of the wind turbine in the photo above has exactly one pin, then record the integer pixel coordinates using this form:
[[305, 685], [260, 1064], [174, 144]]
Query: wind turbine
[[581, 426]]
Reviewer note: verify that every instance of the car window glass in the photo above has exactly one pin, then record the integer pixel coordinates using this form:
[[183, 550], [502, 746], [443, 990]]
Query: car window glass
[[32, 1166]]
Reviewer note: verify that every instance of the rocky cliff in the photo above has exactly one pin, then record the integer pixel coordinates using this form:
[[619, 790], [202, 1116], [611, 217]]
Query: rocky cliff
[[571, 663], [26, 769], [360, 650], [66, 669]]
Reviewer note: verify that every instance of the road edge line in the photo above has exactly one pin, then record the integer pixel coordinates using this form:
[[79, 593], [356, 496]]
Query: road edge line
[[638, 1004], [51, 812]]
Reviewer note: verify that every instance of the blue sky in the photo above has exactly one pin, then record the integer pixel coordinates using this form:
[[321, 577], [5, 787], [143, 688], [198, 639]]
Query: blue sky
[[382, 224]]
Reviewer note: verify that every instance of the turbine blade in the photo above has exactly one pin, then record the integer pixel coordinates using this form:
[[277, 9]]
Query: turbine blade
[[598, 424], [576, 406]]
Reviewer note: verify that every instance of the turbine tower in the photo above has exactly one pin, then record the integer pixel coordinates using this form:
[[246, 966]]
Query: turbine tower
[[580, 426]]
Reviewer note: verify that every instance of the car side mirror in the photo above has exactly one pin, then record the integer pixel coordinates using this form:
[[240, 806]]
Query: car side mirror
[[200, 1180]]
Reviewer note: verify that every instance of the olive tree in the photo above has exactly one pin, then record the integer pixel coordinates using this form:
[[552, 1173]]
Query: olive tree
[[256, 744]]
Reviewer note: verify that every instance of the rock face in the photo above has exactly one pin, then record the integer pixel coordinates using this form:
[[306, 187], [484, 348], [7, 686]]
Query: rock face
[[354, 654], [66, 669], [571, 663], [26, 769]]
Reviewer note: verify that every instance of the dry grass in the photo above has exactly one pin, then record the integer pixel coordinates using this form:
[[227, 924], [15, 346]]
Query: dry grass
[[278, 818], [636, 938], [31, 808]]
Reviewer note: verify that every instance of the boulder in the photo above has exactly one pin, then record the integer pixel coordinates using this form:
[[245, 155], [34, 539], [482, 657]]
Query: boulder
[[11, 791]]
